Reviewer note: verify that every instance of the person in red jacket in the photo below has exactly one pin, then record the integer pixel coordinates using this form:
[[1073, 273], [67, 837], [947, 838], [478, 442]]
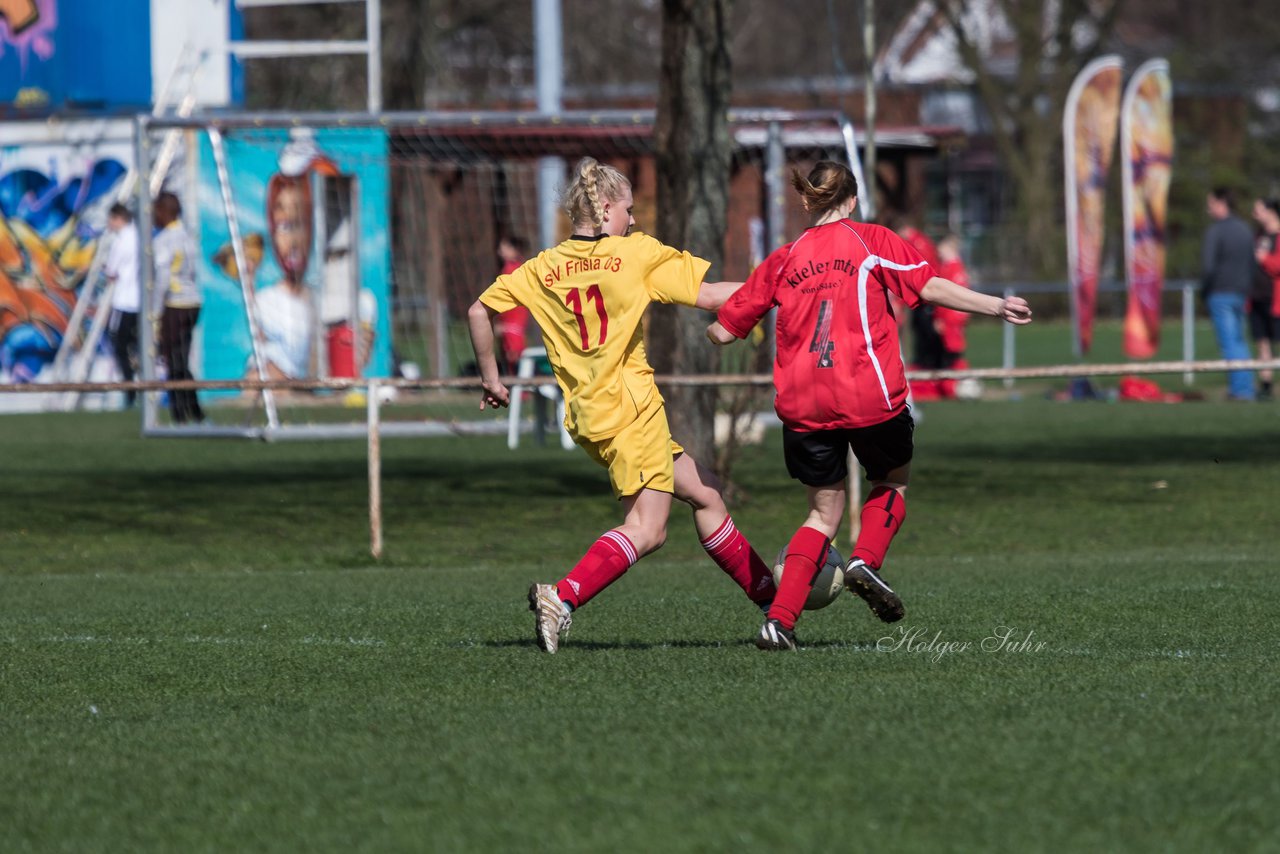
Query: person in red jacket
[[840, 380], [927, 352], [1264, 314], [948, 322], [513, 325]]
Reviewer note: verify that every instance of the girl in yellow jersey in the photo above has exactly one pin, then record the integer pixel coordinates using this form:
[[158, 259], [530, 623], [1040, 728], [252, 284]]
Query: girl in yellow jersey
[[588, 295]]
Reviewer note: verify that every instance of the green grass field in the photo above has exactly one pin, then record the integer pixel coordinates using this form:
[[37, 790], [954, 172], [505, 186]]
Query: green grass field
[[197, 653]]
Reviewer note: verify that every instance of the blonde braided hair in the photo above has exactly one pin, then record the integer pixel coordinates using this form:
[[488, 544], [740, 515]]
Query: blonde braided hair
[[592, 180]]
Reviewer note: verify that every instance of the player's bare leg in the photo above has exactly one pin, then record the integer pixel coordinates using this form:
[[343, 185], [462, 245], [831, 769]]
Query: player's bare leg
[[645, 519], [698, 487]]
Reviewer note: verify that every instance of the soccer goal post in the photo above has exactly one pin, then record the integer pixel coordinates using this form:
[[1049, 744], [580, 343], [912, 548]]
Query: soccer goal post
[[331, 246]]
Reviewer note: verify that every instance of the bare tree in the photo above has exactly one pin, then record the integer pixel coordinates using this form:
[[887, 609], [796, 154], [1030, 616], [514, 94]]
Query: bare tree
[[693, 158], [1053, 41]]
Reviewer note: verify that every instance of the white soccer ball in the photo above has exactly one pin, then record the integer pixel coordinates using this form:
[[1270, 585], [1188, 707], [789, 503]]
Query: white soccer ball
[[969, 389], [828, 584]]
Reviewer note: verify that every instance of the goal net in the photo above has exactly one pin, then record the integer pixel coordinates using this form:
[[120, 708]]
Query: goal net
[[335, 249]]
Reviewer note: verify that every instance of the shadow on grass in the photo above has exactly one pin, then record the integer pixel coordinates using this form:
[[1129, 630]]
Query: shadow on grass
[[642, 646], [1256, 446]]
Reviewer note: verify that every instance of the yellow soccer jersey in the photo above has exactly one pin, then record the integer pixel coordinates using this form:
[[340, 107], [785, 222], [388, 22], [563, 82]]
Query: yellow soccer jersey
[[588, 295]]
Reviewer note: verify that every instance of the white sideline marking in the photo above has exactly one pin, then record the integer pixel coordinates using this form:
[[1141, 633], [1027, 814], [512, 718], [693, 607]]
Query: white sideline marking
[[1087, 652], [313, 640], [213, 640], [344, 642]]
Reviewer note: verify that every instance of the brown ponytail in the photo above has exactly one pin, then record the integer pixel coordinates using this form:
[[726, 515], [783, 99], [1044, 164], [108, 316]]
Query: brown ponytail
[[828, 186]]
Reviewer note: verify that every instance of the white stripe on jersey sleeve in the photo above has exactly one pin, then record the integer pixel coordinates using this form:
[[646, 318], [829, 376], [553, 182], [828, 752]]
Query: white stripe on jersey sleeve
[[864, 273]]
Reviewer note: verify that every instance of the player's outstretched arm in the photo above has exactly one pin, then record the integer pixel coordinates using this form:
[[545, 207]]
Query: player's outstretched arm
[[480, 319], [719, 335], [948, 294], [712, 295]]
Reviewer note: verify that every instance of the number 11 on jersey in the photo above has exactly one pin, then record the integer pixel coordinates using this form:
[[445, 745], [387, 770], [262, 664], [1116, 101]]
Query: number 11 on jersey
[[574, 300]]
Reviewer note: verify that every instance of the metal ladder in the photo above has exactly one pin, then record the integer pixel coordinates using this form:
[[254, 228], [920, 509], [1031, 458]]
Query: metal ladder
[[370, 46]]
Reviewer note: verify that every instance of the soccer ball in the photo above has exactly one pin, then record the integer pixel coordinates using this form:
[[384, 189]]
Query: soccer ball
[[828, 584], [969, 389]]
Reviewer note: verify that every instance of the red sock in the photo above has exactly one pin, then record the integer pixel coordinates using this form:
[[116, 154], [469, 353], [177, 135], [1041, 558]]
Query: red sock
[[805, 553], [604, 563], [882, 516], [732, 553]]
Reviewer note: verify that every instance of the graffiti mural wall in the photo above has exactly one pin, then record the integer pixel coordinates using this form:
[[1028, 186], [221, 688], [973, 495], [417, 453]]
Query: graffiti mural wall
[[54, 54], [316, 297], [56, 182], [28, 48]]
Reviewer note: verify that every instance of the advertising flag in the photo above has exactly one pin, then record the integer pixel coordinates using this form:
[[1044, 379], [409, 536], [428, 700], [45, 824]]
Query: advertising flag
[[1146, 145], [1089, 135]]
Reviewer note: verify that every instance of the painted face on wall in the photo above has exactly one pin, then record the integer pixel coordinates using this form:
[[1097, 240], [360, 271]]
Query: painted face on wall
[[289, 217]]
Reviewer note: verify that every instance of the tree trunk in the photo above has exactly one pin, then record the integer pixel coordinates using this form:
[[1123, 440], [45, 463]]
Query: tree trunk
[[693, 157]]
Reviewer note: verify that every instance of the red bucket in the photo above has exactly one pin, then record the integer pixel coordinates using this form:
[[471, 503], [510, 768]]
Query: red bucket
[[341, 340]]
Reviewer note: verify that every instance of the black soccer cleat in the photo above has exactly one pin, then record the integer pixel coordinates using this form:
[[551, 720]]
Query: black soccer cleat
[[774, 637], [867, 584]]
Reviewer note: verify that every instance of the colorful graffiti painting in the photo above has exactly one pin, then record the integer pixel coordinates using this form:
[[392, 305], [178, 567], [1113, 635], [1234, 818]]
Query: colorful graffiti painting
[[28, 27], [20, 15], [49, 230], [314, 287]]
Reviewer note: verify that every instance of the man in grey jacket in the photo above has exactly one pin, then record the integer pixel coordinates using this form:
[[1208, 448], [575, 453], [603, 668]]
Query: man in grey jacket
[[1228, 264], [178, 301]]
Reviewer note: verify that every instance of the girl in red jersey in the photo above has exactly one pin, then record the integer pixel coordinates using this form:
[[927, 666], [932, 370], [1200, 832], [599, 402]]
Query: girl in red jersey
[[513, 324], [949, 323], [841, 384], [1264, 309], [588, 296]]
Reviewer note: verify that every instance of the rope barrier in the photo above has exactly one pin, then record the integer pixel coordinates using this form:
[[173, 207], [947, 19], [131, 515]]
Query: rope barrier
[[473, 383]]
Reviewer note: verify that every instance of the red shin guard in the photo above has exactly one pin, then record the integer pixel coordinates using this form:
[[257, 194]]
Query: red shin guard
[[882, 516], [733, 554], [805, 553], [604, 563]]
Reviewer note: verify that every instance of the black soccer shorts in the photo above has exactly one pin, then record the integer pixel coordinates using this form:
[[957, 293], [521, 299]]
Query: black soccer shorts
[[820, 458]]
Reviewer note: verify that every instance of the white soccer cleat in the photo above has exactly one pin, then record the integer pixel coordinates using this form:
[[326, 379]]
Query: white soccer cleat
[[552, 616]]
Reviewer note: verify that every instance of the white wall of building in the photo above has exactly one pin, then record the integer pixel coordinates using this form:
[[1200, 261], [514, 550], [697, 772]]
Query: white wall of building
[[184, 32]]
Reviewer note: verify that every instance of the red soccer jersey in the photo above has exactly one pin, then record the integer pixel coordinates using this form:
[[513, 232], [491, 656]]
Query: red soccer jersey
[[512, 325], [1271, 264], [838, 361]]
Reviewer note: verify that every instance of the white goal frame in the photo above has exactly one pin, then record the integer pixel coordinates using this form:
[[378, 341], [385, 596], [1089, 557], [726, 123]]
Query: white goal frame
[[770, 133]]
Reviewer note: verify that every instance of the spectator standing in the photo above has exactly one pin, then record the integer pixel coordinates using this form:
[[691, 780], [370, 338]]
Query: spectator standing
[[927, 352], [513, 325], [950, 323], [1264, 305], [177, 302], [122, 271], [1228, 264]]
